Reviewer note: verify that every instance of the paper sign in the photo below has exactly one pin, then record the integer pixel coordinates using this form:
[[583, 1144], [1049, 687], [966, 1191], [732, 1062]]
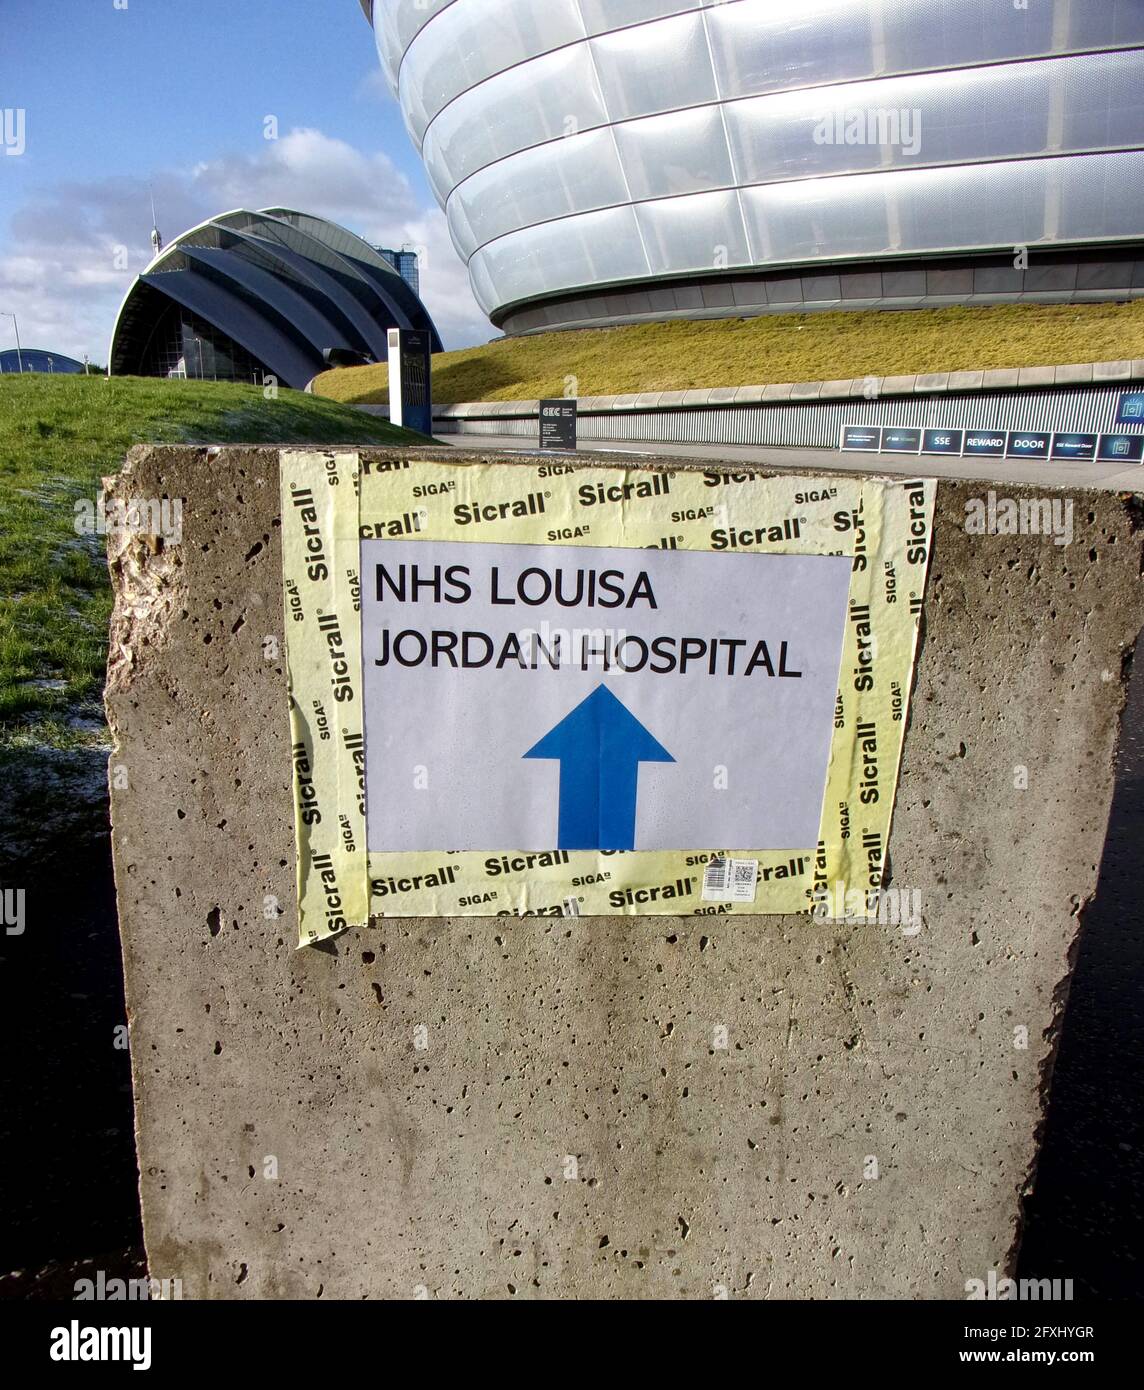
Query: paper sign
[[597, 698], [589, 690]]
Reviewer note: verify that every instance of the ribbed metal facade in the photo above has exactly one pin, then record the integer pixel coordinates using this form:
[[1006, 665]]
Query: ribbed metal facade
[[249, 295], [818, 425], [582, 144]]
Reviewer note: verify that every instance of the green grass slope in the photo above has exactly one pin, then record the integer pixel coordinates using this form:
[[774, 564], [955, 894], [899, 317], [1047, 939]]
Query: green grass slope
[[58, 436], [684, 355]]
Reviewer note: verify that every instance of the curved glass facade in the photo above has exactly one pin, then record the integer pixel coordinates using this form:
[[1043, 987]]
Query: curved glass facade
[[38, 360], [577, 145]]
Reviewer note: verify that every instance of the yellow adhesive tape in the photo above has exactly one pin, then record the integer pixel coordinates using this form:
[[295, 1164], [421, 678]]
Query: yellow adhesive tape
[[322, 607], [883, 526]]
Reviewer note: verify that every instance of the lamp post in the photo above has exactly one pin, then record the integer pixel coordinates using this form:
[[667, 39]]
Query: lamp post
[[19, 356]]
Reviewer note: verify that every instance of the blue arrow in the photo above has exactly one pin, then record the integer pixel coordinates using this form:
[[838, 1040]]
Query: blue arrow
[[600, 745]]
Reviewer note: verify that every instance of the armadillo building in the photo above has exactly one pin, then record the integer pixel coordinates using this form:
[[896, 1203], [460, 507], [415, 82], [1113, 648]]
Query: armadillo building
[[602, 161], [253, 295]]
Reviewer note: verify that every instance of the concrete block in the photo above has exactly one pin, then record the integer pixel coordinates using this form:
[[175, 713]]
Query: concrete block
[[1112, 371], [1073, 374], [448, 1169], [866, 387], [1050, 277], [821, 288], [785, 291], [749, 292], [688, 297], [1000, 377], [898, 385], [997, 280], [717, 296], [1036, 376], [864, 285], [966, 381], [1048, 296], [949, 281], [903, 284], [931, 381], [1104, 275]]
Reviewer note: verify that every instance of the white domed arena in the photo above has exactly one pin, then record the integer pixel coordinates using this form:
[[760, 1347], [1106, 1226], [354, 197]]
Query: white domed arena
[[606, 161]]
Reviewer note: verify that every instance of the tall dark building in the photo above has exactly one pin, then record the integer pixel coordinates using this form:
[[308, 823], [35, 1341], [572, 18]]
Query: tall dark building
[[406, 265]]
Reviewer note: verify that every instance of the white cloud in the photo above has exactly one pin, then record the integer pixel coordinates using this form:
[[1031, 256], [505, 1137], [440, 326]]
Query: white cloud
[[77, 247]]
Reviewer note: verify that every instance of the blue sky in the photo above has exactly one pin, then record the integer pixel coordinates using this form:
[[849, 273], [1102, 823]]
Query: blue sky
[[175, 94]]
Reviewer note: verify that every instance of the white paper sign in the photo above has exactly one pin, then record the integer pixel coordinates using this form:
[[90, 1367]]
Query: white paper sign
[[539, 697]]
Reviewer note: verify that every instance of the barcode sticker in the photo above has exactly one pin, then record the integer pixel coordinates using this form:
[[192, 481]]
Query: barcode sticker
[[730, 880]]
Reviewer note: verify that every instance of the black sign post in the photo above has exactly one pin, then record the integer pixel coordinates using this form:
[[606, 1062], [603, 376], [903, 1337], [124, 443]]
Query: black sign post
[[410, 380], [558, 424]]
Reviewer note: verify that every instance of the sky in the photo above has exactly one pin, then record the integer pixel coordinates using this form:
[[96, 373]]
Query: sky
[[124, 97]]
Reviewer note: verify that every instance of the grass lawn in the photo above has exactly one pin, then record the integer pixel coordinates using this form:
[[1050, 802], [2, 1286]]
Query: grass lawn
[[683, 355], [58, 436]]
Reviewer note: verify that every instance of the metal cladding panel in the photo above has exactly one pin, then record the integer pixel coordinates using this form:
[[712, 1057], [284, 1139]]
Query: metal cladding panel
[[682, 151], [655, 67], [239, 321], [474, 40], [706, 229], [591, 249], [858, 98], [817, 424], [530, 189], [373, 334], [284, 285], [304, 320], [541, 101]]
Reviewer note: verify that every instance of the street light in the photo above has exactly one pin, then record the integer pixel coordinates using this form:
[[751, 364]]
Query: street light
[[19, 356]]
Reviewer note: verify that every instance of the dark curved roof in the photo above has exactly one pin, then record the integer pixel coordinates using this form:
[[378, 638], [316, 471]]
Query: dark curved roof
[[38, 360], [286, 287]]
